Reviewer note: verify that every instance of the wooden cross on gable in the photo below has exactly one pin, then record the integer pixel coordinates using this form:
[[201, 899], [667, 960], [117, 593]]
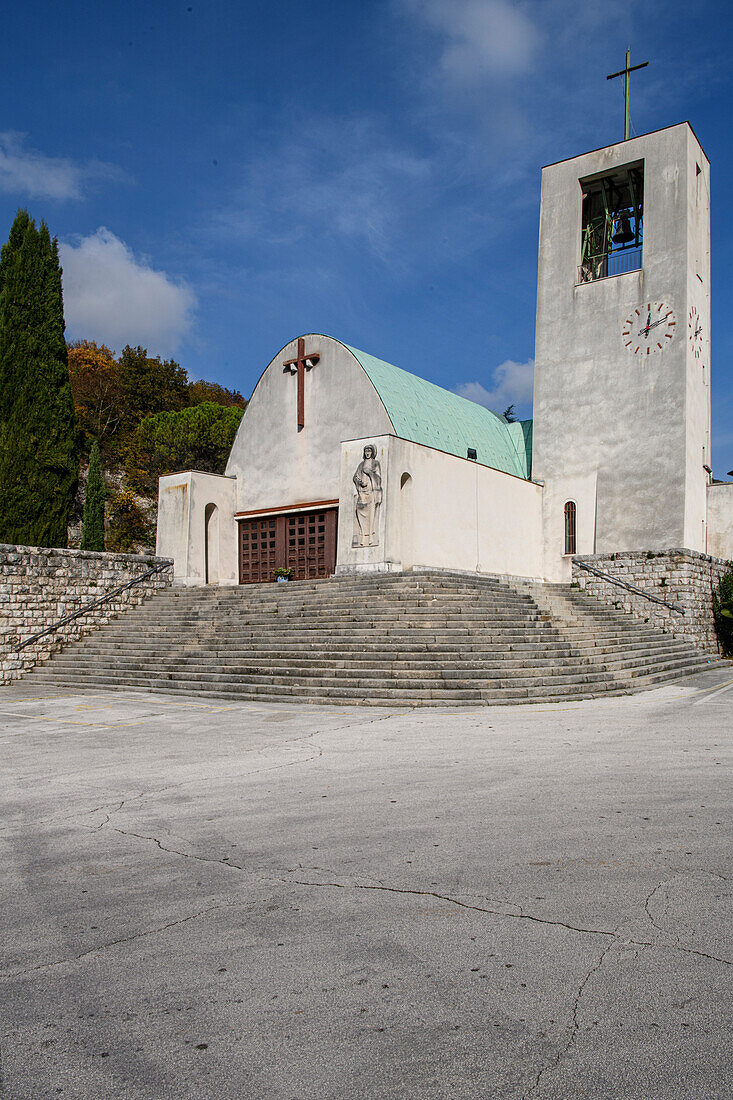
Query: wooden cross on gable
[[299, 366]]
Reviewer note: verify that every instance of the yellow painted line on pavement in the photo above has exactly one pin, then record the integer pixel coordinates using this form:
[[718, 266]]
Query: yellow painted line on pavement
[[711, 692]]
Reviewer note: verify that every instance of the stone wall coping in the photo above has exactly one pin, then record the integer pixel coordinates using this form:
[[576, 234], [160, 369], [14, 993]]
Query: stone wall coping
[[618, 555], [91, 555]]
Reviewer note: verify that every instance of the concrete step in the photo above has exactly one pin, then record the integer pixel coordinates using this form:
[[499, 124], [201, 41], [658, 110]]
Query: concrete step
[[131, 658], [418, 639], [271, 651], [367, 679]]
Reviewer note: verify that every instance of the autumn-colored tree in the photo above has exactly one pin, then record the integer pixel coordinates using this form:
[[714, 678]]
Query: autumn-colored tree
[[116, 397], [199, 392], [149, 386], [128, 527], [95, 383]]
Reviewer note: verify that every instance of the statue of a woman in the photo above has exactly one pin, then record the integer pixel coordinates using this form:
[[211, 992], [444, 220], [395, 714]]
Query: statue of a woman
[[368, 482]]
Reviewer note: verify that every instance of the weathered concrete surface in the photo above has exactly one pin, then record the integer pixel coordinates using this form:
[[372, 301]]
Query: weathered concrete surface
[[632, 455], [204, 901]]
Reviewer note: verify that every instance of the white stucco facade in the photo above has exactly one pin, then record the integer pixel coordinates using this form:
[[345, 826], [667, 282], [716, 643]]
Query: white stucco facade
[[196, 527], [720, 520], [441, 512]]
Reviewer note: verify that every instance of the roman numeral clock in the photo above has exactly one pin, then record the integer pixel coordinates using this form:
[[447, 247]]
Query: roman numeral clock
[[649, 329]]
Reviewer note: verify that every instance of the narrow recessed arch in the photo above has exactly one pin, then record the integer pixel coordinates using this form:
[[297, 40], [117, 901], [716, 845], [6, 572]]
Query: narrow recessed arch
[[211, 544], [571, 524], [406, 522]]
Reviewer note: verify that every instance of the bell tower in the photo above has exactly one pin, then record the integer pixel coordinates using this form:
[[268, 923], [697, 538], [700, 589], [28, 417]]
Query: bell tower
[[622, 355]]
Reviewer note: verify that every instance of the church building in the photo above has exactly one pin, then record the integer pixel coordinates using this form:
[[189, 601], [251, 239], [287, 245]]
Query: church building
[[344, 463]]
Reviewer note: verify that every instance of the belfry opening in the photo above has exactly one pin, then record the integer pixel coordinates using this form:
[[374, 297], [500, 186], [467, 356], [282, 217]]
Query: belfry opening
[[613, 223]]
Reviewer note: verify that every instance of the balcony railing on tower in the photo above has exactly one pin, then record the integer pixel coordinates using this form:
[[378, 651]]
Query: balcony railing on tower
[[606, 264]]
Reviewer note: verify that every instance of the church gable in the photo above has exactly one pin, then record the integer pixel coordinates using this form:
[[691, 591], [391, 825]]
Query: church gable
[[318, 392], [312, 396]]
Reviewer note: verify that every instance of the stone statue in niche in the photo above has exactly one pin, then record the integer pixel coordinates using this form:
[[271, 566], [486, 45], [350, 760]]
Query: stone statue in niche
[[368, 482]]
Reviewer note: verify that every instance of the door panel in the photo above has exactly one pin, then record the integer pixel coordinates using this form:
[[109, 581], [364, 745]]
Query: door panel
[[302, 541], [257, 550]]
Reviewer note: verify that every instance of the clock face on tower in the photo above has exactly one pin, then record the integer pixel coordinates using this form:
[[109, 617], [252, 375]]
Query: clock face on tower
[[649, 329], [694, 326]]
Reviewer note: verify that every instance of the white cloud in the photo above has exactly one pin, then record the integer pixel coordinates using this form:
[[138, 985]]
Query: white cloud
[[512, 385], [481, 37], [25, 171], [113, 297]]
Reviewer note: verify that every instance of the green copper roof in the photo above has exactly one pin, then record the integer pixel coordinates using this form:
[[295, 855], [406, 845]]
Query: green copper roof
[[521, 432], [428, 414]]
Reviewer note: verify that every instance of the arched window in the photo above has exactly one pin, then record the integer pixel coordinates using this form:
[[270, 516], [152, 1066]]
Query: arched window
[[570, 527]]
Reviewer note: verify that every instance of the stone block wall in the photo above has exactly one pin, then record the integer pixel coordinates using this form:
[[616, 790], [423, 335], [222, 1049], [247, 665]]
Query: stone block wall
[[682, 577], [39, 586]]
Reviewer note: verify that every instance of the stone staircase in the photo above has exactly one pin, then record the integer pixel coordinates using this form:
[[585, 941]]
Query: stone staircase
[[427, 639]]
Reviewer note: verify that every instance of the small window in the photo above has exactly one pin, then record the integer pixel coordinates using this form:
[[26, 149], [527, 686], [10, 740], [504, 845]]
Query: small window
[[570, 527]]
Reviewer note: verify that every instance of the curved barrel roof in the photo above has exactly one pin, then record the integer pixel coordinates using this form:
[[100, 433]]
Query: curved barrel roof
[[425, 413]]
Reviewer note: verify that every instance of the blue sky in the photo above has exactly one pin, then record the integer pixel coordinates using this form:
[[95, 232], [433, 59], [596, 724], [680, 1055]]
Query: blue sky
[[225, 175]]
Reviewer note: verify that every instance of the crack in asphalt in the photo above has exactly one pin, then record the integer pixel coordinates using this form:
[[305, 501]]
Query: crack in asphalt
[[6, 975], [700, 871], [648, 911], [677, 947], [404, 712], [574, 1024], [225, 862], [116, 806], [518, 916], [461, 904], [257, 771]]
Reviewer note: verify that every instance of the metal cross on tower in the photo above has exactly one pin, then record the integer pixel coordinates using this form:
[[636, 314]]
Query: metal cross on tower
[[299, 366], [627, 87]]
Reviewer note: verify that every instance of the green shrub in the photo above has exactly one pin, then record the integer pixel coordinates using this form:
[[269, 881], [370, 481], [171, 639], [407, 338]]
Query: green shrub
[[723, 612]]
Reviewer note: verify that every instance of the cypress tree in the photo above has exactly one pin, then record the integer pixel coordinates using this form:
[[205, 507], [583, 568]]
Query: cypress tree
[[39, 436], [92, 532]]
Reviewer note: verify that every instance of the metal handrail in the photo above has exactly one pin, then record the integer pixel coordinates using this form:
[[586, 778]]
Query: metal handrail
[[95, 603], [606, 264], [629, 587]]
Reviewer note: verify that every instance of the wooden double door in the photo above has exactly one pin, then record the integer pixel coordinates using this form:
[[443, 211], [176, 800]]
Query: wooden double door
[[302, 541]]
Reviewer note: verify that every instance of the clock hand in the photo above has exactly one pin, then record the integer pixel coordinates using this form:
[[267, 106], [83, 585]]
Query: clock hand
[[653, 324]]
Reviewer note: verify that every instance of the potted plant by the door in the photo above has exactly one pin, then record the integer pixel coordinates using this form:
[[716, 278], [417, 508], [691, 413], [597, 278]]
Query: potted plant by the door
[[283, 575]]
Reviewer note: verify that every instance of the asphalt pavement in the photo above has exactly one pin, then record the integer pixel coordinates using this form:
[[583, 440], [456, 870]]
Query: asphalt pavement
[[204, 900]]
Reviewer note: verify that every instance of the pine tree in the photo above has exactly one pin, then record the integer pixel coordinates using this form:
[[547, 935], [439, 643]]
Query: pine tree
[[92, 532], [39, 436]]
